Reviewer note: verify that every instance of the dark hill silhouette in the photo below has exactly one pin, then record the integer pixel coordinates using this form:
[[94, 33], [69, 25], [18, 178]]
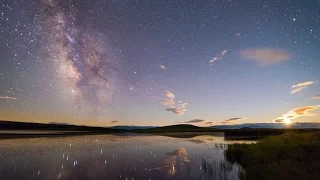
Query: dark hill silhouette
[[11, 125]]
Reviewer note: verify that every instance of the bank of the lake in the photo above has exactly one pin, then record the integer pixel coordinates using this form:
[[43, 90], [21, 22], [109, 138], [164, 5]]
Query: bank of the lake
[[288, 156]]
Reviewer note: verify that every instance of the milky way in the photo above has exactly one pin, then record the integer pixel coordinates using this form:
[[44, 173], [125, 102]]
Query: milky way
[[81, 57]]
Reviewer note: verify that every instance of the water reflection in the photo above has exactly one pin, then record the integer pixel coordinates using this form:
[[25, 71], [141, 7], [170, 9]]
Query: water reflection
[[114, 157], [170, 160]]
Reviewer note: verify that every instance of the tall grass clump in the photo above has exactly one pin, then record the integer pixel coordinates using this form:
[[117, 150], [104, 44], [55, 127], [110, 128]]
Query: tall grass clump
[[288, 156]]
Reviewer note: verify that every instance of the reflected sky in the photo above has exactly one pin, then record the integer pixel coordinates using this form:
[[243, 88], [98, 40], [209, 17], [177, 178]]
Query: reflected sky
[[113, 157]]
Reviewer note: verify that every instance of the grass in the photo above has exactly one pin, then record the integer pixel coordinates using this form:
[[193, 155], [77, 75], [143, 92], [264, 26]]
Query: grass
[[215, 169], [288, 156]]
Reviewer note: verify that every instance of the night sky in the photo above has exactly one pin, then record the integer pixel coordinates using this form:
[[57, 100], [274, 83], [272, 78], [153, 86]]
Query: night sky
[[159, 62]]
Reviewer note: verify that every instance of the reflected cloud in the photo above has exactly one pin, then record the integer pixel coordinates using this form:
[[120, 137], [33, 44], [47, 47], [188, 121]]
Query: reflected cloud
[[265, 56], [171, 157]]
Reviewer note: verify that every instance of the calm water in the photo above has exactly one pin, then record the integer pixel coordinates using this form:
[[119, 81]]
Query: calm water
[[115, 157]]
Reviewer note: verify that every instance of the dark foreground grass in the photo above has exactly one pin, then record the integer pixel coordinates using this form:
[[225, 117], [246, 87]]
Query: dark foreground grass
[[288, 156]]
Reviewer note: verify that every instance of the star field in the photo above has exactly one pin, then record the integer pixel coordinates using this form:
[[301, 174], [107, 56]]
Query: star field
[[159, 62]]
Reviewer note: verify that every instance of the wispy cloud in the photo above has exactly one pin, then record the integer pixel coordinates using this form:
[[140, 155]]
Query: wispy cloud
[[224, 52], [307, 83], [213, 59], [163, 67], [265, 56], [176, 110], [195, 121], [300, 86], [7, 97], [218, 57], [316, 97], [169, 94], [236, 34], [168, 102], [171, 105], [283, 102], [197, 141], [296, 90], [209, 123], [232, 120], [296, 113], [112, 122]]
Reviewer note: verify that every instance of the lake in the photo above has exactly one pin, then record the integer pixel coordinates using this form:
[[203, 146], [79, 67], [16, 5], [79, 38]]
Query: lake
[[121, 156]]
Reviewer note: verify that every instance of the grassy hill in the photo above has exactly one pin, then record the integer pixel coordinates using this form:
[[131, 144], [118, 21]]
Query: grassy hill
[[178, 128], [10, 125]]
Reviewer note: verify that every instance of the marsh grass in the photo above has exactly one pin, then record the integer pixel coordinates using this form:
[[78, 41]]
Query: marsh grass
[[288, 156], [218, 170]]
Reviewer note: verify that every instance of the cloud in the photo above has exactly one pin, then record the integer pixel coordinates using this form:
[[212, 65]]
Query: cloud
[[296, 113], [223, 53], [169, 95], [112, 122], [296, 90], [283, 102], [307, 83], [233, 120], [300, 86], [197, 141], [280, 120], [236, 34], [316, 97], [195, 121], [7, 97], [168, 102], [171, 105], [213, 60], [176, 110], [304, 110], [58, 123], [209, 123], [265, 56], [163, 67]]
